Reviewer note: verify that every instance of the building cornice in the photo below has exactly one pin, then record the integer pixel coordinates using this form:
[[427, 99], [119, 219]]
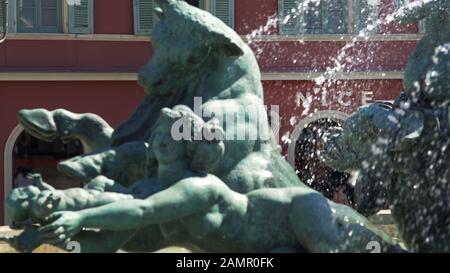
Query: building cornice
[[335, 38], [77, 37], [266, 76], [294, 76], [262, 38], [67, 76]]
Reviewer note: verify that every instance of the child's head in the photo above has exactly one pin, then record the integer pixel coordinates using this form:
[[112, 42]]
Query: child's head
[[19, 201], [31, 202], [169, 144]]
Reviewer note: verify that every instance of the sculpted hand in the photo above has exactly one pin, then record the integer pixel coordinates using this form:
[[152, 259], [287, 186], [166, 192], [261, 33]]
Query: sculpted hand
[[64, 225]]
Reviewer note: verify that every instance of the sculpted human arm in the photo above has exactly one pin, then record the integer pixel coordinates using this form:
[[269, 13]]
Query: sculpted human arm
[[185, 198], [38, 182]]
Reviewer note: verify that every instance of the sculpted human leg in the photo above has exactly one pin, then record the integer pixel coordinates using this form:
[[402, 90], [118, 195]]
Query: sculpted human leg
[[126, 163], [90, 129], [322, 226]]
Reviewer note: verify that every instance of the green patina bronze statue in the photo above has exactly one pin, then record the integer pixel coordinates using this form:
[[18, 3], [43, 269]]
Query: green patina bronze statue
[[33, 204], [436, 17], [400, 150], [194, 207], [208, 192], [401, 161]]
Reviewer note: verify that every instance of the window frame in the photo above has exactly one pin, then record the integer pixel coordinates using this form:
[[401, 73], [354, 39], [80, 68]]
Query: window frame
[[350, 21], [357, 17], [38, 18], [64, 17], [324, 21], [207, 5]]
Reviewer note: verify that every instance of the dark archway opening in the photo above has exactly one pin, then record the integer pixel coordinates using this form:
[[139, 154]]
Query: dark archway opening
[[331, 183], [195, 3], [32, 155]]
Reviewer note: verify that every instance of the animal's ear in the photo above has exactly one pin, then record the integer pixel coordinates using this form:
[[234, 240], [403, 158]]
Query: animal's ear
[[230, 46], [233, 50]]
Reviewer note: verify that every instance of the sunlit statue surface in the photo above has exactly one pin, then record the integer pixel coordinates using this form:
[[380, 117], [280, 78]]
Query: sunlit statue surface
[[154, 190], [201, 208]]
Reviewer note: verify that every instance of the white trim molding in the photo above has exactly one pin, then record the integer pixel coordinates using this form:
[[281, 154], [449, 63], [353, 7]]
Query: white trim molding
[[67, 76], [8, 167], [334, 38], [78, 37], [307, 76], [124, 76], [261, 38], [302, 125]]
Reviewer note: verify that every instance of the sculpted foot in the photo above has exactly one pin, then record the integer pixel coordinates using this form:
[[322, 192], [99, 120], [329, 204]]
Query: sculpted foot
[[49, 126]]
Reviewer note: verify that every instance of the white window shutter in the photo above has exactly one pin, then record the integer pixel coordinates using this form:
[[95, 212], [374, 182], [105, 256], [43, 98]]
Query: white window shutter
[[1, 17], [366, 15], [144, 17], [289, 17], [224, 10], [335, 19], [81, 17], [313, 17]]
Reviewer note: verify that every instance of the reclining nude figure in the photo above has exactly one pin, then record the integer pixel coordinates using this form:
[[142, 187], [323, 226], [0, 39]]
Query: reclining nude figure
[[198, 208], [38, 201]]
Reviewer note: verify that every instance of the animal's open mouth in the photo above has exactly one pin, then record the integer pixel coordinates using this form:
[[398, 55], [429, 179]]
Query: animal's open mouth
[[39, 123], [337, 156]]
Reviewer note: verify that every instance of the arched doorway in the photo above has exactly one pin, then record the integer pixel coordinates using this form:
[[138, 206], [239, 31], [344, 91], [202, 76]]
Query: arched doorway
[[195, 3], [304, 156], [25, 153]]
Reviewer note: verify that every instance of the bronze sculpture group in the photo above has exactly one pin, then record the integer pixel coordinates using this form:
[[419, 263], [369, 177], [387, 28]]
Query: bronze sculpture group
[[146, 187]]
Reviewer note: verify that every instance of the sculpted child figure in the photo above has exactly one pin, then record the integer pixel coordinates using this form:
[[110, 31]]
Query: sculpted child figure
[[197, 208], [38, 201], [215, 65]]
